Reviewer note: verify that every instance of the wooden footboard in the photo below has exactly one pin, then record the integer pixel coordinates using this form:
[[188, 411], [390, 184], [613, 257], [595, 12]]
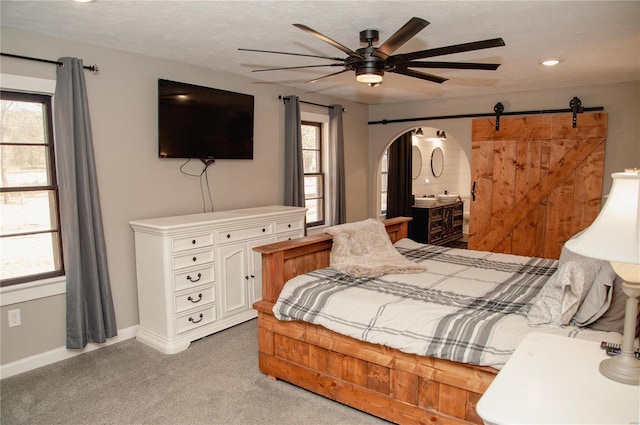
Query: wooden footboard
[[383, 381]]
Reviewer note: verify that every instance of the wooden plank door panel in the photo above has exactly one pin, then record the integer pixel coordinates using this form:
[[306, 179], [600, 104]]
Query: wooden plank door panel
[[538, 181]]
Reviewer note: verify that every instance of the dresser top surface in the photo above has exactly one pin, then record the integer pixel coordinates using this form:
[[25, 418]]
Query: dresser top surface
[[219, 217]]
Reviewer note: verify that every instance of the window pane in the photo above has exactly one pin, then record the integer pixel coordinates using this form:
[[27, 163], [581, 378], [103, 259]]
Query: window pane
[[311, 160], [383, 202], [29, 255], [384, 162], [22, 122], [23, 212], [312, 187], [314, 210], [310, 137], [23, 166]]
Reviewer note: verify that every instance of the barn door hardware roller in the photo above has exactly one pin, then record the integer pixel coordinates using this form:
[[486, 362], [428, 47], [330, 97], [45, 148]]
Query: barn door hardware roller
[[576, 107], [498, 109]]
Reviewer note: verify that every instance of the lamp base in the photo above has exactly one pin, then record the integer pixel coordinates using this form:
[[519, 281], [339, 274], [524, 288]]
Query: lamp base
[[624, 368]]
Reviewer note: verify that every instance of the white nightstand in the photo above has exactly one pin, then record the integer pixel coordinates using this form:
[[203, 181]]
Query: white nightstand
[[553, 379]]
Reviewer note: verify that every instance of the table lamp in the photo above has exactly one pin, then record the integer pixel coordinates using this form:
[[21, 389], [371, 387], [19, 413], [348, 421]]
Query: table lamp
[[615, 236]]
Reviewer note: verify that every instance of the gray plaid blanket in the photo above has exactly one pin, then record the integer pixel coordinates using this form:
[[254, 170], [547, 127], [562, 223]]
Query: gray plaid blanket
[[469, 306]]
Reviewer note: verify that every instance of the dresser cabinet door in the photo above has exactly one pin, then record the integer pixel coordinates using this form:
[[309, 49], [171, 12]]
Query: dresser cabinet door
[[234, 279]]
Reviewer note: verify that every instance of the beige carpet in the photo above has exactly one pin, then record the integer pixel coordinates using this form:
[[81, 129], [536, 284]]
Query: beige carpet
[[215, 381]]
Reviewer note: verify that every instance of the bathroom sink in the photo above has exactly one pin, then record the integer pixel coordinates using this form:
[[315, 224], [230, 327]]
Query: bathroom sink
[[447, 198], [425, 202]]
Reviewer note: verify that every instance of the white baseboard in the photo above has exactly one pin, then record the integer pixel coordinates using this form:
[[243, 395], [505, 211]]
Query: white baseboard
[[58, 354]]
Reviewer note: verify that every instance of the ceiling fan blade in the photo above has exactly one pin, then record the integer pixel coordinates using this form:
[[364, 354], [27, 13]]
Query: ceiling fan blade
[[452, 65], [404, 34], [328, 40], [326, 76], [293, 54], [421, 75], [297, 67], [448, 50]]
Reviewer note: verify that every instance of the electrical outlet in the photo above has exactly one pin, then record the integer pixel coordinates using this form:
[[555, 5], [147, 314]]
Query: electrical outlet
[[14, 318]]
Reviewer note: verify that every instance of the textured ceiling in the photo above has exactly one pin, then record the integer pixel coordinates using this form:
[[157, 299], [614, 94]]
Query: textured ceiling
[[598, 42]]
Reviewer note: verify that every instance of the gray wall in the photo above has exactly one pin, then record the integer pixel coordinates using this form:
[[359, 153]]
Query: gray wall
[[621, 102], [136, 184]]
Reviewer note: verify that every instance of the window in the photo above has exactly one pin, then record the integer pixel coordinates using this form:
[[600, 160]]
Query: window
[[314, 196], [384, 179], [29, 231]]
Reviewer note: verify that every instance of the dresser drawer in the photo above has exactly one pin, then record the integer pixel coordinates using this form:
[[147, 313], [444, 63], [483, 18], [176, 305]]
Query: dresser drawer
[[193, 258], [234, 235], [194, 277], [191, 242], [195, 319], [194, 299], [288, 226], [288, 236]]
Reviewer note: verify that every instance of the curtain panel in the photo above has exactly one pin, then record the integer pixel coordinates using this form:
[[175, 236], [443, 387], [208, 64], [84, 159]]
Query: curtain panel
[[399, 178], [293, 161], [90, 313], [336, 166]]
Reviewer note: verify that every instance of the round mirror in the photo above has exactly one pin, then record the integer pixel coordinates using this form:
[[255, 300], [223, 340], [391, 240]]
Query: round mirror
[[416, 162], [437, 162]]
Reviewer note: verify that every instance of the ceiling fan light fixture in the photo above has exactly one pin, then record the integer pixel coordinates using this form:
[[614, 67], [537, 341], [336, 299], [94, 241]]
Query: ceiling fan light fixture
[[369, 78], [369, 75]]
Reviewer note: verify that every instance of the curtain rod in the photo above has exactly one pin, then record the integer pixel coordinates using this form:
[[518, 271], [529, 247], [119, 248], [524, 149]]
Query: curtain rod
[[575, 108], [311, 103], [92, 68]]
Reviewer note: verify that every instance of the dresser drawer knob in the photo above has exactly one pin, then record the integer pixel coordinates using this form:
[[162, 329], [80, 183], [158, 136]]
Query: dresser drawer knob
[[194, 258], [193, 241], [228, 235], [192, 320], [195, 301], [264, 230], [289, 225], [189, 278]]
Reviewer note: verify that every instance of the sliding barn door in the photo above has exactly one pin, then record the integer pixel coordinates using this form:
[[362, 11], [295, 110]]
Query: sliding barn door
[[535, 182]]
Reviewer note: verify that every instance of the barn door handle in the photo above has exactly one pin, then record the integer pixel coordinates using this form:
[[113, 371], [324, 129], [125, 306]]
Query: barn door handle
[[473, 192]]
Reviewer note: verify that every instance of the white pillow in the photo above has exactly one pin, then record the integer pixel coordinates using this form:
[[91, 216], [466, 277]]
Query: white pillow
[[598, 299], [561, 296]]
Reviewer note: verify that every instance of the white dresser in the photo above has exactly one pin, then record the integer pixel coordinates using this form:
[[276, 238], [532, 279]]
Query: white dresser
[[197, 274]]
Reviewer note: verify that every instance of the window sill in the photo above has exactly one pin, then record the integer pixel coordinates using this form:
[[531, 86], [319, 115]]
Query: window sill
[[32, 290], [316, 229]]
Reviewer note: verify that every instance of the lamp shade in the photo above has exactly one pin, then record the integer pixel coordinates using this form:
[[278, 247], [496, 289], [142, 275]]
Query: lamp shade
[[615, 233]]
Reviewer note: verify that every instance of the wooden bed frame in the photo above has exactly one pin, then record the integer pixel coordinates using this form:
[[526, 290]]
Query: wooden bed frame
[[399, 387]]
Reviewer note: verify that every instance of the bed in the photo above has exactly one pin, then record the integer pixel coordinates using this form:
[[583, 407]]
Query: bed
[[399, 386]]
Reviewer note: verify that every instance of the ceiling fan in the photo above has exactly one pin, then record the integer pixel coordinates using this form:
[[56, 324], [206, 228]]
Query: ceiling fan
[[371, 62]]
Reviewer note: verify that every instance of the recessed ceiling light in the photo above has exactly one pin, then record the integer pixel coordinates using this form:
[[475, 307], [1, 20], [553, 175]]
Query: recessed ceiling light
[[84, 1], [550, 61]]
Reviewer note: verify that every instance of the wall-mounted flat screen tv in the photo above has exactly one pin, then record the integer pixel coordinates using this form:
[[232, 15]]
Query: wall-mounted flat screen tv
[[203, 123]]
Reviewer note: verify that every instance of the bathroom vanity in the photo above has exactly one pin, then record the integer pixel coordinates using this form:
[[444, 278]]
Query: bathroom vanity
[[437, 224]]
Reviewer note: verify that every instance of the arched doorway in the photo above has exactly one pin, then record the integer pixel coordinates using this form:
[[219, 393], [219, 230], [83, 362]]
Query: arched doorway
[[439, 164]]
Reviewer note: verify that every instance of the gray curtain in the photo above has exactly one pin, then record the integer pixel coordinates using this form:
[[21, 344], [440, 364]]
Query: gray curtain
[[293, 162], [399, 178], [90, 314], [336, 164]]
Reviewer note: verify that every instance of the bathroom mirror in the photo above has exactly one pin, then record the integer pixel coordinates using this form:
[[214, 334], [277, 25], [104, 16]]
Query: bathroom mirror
[[437, 162], [416, 162]]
